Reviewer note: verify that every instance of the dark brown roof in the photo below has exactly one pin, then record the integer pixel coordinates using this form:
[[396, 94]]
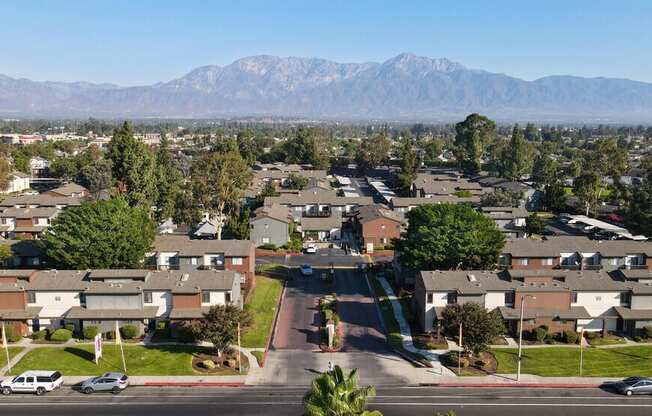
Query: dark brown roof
[[277, 212], [376, 211], [187, 247], [554, 246], [77, 312], [575, 312]]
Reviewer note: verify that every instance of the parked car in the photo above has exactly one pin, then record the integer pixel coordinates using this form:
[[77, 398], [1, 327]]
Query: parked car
[[306, 270], [37, 382], [634, 385], [311, 249], [109, 382]]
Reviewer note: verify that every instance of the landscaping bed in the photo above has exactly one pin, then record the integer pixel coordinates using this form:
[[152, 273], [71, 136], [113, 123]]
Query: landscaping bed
[[328, 314], [429, 342], [209, 363], [263, 303], [77, 360], [483, 364], [564, 362], [595, 339]]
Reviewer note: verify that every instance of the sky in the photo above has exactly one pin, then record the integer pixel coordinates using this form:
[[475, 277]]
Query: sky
[[142, 42]]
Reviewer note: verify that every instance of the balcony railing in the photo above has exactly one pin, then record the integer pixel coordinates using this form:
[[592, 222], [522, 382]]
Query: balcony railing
[[317, 213], [635, 266]]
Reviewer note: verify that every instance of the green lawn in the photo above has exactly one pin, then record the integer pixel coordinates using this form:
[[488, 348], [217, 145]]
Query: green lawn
[[262, 303], [259, 356], [12, 353], [564, 362], [141, 361]]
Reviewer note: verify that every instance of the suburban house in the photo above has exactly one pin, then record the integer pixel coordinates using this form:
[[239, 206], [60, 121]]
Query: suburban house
[[510, 221], [279, 177], [180, 252], [593, 300], [376, 226], [70, 190], [25, 254], [26, 223], [271, 225], [35, 300], [41, 200], [427, 185], [38, 167], [18, 182], [576, 253]]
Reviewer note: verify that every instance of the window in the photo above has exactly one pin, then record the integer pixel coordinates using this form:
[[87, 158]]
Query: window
[[613, 261], [522, 262], [598, 298], [573, 297], [193, 261], [20, 380], [57, 298], [382, 227], [546, 262], [429, 298], [236, 261], [147, 297], [205, 297], [227, 297], [451, 298], [383, 241], [625, 298], [509, 298], [29, 380], [266, 240], [31, 297]]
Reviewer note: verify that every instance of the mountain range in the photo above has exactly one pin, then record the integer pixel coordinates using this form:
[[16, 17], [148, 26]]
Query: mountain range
[[406, 87]]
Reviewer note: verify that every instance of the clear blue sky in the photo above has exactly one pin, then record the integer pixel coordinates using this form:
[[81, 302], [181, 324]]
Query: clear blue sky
[[142, 42]]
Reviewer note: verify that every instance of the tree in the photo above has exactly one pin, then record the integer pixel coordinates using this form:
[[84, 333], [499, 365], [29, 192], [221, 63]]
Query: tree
[[479, 326], [218, 183], [554, 196], [373, 151], [97, 176], [237, 227], [432, 148], [134, 167], [472, 135], [447, 236], [534, 224], [295, 181], [219, 326], [99, 235], [5, 173], [310, 145], [248, 146], [516, 160], [5, 254], [607, 159], [587, 187], [335, 393], [168, 181], [409, 162], [531, 133], [638, 215], [501, 198], [268, 190]]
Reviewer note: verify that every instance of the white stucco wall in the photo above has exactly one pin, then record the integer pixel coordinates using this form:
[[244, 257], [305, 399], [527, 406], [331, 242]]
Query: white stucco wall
[[163, 300], [596, 304], [53, 308], [492, 300], [641, 302]]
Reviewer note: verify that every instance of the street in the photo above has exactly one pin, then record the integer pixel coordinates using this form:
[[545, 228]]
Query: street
[[287, 401]]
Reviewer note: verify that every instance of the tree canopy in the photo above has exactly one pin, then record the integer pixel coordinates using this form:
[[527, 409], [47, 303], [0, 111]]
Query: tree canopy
[[219, 326], [448, 236], [335, 393], [373, 151], [472, 135], [516, 158], [101, 235], [479, 326]]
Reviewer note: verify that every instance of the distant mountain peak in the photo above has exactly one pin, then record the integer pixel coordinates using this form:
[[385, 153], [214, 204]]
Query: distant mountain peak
[[408, 60]]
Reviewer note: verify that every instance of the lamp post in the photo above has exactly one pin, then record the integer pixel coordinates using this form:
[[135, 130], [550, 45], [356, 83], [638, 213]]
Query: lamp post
[[520, 337], [581, 350]]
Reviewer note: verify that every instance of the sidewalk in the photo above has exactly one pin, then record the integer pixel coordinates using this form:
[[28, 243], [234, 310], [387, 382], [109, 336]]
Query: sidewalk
[[527, 380]]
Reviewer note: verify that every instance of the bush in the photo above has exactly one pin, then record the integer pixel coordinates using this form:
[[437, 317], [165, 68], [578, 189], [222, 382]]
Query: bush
[[185, 334], [129, 331], [268, 246], [592, 335], [570, 337], [61, 335], [162, 325], [328, 315], [40, 335], [69, 327], [647, 331], [90, 332], [11, 336], [540, 333]]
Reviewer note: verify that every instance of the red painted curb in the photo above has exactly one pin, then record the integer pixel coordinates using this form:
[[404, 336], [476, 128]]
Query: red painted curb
[[191, 384], [512, 385]]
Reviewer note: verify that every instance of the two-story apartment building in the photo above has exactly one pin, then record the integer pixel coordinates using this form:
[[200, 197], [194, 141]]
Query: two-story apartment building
[[427, 185], [510, 220], [271, 225], [401, 206], [592, 300], [27, 223], [376, 226], [576, 252], [180, 252]]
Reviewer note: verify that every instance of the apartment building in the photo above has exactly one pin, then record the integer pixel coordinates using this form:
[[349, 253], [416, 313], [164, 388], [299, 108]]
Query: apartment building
[[26, 223], [180, 252], [576, 252], [271, 225], [376, 226], [34, 300], [510, 221], [428, 185], [69, 190], [593, 300], [401, 206]]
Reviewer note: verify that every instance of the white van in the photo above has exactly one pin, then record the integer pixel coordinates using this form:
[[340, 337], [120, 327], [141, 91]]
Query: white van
[[37, 382]]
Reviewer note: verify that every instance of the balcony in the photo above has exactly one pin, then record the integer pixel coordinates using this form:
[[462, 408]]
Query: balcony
[[313, 213]]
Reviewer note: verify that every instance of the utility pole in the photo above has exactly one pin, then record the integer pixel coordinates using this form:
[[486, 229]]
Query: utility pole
[[581, 350], [520, 337], [239, 356], [459, 353]]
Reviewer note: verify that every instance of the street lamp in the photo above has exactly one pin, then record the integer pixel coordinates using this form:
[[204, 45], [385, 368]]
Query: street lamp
[[581, 351], [520, 336]]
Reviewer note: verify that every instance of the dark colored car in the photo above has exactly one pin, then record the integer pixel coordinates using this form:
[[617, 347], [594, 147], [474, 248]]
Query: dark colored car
[[633, 385]]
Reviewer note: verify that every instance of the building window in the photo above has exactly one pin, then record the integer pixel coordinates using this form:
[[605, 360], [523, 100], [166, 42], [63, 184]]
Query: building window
[[266, 240], [451, 298], [613, 261], [573, 297], [598, 298], [522, 262], [31, 297], [194, 261], [546, 262], [382, 227], [227, 297], [57, 298], [625, 298], [236, 261], [429, 298], [383, 241], [205, 297], [147, 297], [509, 298]]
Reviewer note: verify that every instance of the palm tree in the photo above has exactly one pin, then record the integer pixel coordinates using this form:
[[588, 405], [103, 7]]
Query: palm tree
[[335, 394]]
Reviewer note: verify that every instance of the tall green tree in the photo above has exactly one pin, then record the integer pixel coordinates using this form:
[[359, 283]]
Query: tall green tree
[[409, 162], [296, 181], [479, 325], [638, 215], [310, 145], [99, 235], [448, 236], [472, 136], [219, 326], [335, 393], [433, 148], [516, 157], [218, 184], [5, 173], [373, 151], [588, 188], [168, 181], [531, 133], [97, 176]]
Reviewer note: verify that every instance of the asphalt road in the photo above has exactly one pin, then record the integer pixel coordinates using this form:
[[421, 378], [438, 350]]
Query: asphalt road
[[286, 401]]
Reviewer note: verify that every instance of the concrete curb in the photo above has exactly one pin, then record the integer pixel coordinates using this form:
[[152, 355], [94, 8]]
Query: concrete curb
[[192, 384], [515, 385]]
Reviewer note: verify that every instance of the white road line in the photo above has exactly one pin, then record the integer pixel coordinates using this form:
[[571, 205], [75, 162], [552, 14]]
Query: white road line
[[515, 404]]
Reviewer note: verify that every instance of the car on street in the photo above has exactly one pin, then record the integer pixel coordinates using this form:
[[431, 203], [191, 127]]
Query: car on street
[[37, 382], [311, 249], [633, 385], [107, 382], [306, 270]]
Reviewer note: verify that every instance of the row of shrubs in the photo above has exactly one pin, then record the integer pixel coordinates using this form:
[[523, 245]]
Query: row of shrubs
[[66, 333], [542, 334]]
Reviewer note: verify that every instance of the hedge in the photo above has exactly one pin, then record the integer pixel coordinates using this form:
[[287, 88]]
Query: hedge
[[129, 331], [90, 332], [61, 335]]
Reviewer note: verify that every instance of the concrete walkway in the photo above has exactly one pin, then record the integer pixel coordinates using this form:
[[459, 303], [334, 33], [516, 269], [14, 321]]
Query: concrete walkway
[[406, 333]]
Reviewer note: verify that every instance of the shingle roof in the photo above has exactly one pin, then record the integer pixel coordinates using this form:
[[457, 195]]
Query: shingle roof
[[554, 246], [323, 197], [438, 199], [504, 213], [575, 312], [373, 212], [20, 314], [277, 212], [40, 200], [320, 223], [188, 313], [187, 247], [24, 213], [69, 189], [78, 312]]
